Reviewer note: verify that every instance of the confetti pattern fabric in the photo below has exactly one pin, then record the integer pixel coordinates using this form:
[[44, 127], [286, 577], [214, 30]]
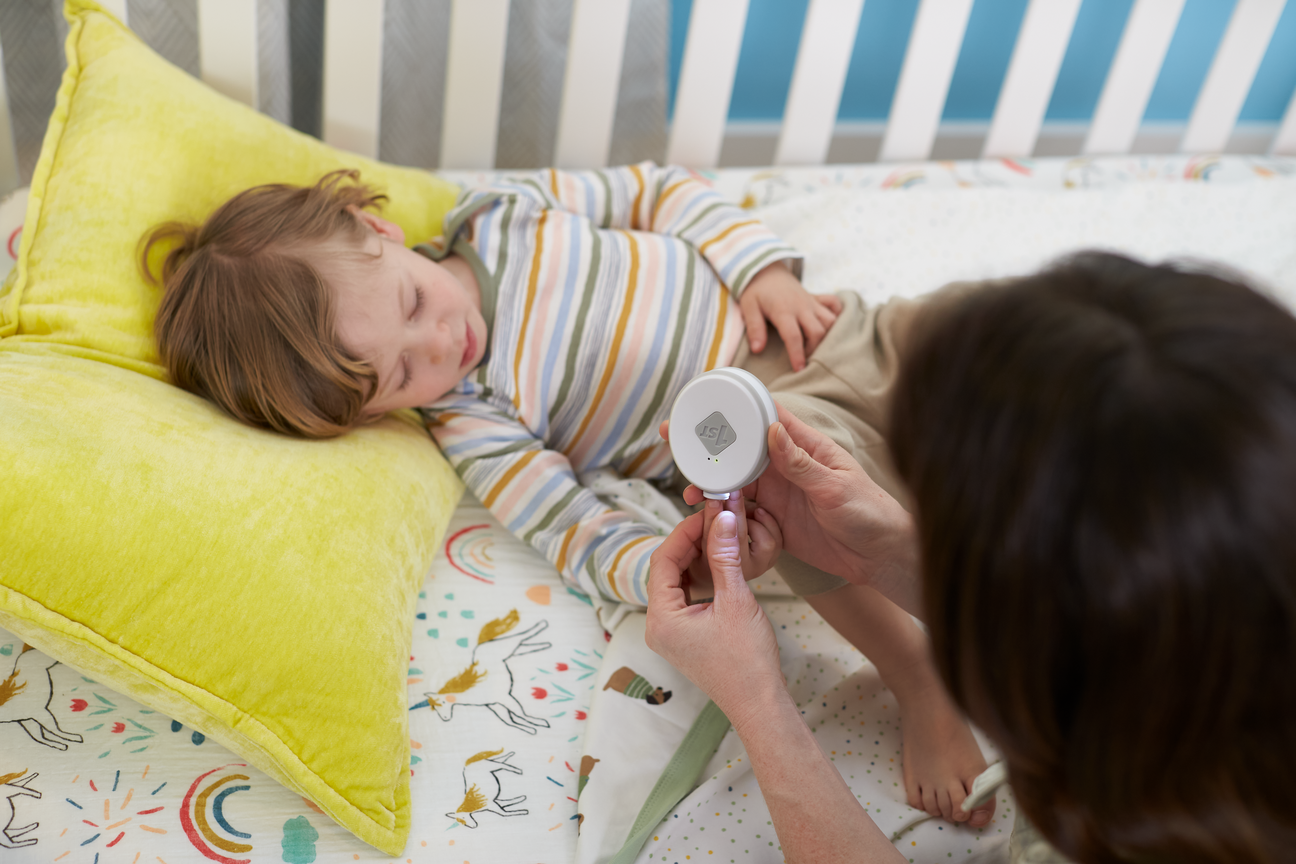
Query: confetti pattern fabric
[[844, 702]]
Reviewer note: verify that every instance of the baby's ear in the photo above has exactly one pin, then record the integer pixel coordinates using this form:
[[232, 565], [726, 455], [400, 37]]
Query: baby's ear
[[381, 226]]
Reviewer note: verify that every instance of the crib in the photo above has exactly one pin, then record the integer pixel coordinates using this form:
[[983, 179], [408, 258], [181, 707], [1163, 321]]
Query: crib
[[235, 52], [877, 206]]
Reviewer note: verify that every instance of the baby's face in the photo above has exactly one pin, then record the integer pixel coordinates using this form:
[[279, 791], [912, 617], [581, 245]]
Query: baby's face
[[412, 319]]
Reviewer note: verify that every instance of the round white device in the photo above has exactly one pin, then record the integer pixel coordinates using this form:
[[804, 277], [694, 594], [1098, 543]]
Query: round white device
[[718, 428]]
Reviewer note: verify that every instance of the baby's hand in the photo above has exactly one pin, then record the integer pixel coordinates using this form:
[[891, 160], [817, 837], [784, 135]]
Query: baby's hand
[[761, 542], [801, 318]]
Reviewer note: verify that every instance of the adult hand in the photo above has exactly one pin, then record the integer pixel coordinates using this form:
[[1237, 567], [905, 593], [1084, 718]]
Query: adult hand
[[832, 515], [725, 647], [801, 318], [760, 543]]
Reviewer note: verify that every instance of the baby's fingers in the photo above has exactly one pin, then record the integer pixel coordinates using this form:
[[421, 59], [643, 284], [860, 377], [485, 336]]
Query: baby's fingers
[[831, 302], [766, 541], [754, 319], [826, 316], [814, 331], [790, 329]]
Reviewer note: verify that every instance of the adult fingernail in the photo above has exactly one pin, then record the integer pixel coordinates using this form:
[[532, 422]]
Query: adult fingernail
[[728, 525], [784, 440]]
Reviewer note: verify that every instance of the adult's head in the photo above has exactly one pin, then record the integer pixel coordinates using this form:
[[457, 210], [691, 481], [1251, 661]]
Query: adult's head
[[1103, 463]]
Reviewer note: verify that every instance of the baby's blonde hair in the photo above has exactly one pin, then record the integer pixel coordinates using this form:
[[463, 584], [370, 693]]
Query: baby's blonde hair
[[248, 321]]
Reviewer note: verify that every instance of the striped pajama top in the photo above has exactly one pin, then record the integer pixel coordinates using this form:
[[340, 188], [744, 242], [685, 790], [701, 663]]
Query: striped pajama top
[[604, 293]]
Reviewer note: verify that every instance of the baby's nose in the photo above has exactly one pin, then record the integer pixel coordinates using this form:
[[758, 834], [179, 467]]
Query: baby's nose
[[442, 345]]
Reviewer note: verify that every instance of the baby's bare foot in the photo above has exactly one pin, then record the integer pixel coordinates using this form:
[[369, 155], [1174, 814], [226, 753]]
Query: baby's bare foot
[[941, 757]]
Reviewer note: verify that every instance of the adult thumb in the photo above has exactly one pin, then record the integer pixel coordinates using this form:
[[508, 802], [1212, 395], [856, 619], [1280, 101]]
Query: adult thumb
[[723, 553], [793, 462]]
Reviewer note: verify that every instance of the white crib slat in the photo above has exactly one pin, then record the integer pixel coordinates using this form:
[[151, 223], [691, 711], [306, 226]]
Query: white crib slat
[[1028, 86], [1132, 76], [474, 78], [591, 82], [1284, 143], [924, 79], [227, 47], [815, 95], [1231, 75], [9, 176], [353, 31], [706, 82], [117, 8]]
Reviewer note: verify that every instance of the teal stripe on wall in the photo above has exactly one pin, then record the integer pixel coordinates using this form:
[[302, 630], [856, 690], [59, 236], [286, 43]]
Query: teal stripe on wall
[[983, 60], [1094, 41], [765, 62], [1187, 61], [773, 32], [1276, 78], [875, 63]]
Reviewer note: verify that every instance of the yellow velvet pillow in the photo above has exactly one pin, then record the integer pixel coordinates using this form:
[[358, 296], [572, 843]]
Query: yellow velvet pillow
[[258, 588]]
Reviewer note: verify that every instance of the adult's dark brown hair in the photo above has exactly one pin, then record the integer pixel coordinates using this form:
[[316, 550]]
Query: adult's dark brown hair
[[1103, 463]]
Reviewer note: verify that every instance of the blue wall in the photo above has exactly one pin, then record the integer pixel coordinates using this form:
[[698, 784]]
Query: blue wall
[[774, 31]]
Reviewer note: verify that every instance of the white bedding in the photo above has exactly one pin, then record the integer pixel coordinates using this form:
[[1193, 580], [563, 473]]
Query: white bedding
[[120, 795], [882, 244]]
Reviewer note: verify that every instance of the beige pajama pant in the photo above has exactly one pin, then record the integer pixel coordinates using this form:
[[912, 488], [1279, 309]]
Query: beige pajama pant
[[844, 391]]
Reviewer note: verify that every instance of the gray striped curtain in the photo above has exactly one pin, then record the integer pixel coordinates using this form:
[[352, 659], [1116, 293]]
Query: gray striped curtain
[[290, 72]]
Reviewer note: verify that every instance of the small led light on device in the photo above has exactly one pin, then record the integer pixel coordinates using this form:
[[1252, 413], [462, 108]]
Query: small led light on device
[[727, 411]]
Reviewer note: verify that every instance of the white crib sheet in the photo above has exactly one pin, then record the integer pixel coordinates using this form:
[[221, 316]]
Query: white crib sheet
[[985, 220], [127, 794]]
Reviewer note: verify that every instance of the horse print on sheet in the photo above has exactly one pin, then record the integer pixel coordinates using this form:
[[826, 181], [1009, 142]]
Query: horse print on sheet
[[25, 699], [488, 681], [15, 786], [481, 772]]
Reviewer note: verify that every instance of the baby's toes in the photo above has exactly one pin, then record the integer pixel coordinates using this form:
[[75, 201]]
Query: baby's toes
[[979, 816], [913, 797], [947, 799], [931, 801], [982, 815], [913, 792]]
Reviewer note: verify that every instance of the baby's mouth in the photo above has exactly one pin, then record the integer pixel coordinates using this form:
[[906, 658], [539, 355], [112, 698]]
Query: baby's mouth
[[470, 345]]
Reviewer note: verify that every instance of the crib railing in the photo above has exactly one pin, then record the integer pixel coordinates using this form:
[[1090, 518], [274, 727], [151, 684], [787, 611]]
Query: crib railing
[[353, 50], [715, 31]]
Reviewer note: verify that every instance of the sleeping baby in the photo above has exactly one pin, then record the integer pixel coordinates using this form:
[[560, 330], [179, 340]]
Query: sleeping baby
[[543, 336]]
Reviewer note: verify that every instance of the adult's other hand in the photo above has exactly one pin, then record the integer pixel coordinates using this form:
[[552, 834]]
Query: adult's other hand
[[832, 515], [725, 647]]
